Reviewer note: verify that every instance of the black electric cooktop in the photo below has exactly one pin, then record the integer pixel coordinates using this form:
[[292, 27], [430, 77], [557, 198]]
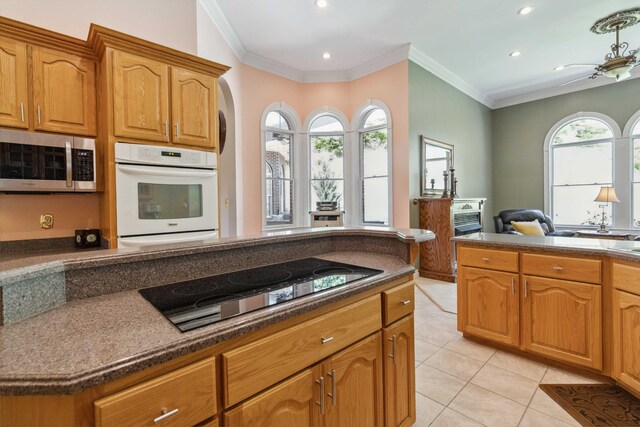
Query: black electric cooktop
[[200, 302]]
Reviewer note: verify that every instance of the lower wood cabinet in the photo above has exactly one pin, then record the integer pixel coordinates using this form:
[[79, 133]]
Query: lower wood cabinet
[[345, 390], [399, 373], [563, 320], [489, 306], [626, 339]]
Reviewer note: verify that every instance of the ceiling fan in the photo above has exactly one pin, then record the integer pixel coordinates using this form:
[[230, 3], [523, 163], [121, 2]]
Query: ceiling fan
[[619, 62]]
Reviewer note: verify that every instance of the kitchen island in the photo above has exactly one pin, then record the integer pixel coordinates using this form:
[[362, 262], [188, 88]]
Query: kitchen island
[[101, 354], [568, 301]]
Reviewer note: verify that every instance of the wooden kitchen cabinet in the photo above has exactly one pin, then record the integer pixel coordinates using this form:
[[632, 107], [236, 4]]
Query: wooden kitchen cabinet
[[293, 403], [399, 373], [13, 83], [563, 320], [626, 338], [64, 92], [140, 97], [489, 305], [193, 101], [354, 385]]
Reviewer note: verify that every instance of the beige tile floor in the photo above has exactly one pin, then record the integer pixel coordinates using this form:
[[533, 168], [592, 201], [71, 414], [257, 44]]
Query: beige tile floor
[[462, 383]]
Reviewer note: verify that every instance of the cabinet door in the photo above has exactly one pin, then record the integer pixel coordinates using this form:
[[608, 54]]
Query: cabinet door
[[626, 339], [13, 83], [140, 97], [399, 373], [64, 92], [563, 320], [353, 385], [293, 403], [489, 306], [193, 108]]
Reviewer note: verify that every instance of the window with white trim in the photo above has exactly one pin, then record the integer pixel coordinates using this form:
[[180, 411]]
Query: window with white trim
[[581, 155], [279, 182], [374, 168], [634, 137], [326, 138]]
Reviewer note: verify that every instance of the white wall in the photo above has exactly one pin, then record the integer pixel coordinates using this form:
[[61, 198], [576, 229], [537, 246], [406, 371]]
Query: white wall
[[168, 22]]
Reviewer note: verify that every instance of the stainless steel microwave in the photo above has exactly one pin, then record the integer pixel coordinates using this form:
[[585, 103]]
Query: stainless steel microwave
[[32, 162]]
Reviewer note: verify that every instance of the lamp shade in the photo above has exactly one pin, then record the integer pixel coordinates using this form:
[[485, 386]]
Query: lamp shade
[[607, 194]]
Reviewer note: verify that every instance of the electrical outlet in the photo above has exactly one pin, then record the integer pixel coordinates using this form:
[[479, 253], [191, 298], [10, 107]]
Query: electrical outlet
[[226, 203], [46, 221]]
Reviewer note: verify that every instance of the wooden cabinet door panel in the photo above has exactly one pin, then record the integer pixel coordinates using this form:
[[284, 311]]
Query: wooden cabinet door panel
[[13, 84], [399, 373], [140, 97], [193, 98], [626, 339], [292, 403], [64, 92], [563, 320], [489, 302]]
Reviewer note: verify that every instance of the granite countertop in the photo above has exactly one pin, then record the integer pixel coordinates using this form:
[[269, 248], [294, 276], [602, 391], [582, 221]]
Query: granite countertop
[[90, 341], [619, 249], [12, 264]]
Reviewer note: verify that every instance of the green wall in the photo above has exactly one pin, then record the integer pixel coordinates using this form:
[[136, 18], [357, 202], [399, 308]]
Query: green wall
[[519, 132], [442, 112]]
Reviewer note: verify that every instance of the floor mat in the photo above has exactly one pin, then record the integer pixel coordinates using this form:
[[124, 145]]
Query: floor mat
[[596, 404]]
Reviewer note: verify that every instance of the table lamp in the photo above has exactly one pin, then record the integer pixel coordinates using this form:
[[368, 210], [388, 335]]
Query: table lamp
[[606, 195]]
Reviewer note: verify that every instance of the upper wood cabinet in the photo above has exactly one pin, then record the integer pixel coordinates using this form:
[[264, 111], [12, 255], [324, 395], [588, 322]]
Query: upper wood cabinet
[[155, 102], [563, 320], [489, 306], [64, 94], [193, 101], [13, 83], [140, 97], [399, 373]]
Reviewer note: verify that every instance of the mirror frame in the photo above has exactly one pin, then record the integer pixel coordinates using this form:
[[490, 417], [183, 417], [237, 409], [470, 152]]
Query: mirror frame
[[424, 140]]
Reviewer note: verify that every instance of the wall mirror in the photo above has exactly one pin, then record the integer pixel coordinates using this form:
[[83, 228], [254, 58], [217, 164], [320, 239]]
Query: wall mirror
[[436, 158]]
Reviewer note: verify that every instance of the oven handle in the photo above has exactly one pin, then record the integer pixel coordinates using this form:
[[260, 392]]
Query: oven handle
[[166, 171], [177, 238]]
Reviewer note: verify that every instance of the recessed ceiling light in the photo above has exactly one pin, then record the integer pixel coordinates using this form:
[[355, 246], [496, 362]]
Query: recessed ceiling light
[[321, 3], [326, 55], [559, 67], [524, 11], [515, 53]]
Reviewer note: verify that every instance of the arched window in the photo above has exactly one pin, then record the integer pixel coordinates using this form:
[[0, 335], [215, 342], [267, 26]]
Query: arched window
[[580, 162], [634, 137], [373, 135], [278, 179], [326, 137]]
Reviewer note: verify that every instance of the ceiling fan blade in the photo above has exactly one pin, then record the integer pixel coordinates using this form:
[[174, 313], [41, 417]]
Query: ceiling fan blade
[[578, 79], [581, 65]]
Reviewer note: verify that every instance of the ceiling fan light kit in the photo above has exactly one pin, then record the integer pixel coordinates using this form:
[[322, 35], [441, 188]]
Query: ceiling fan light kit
[[618, 63]]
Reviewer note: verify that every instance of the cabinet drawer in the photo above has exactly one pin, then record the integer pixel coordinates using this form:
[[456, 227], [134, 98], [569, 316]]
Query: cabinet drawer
[[487, 258], [398, 302], [575, 269], [626, 278], [189, 391], [256, 366]]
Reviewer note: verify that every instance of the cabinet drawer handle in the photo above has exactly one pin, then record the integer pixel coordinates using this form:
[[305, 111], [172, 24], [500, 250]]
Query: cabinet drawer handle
[[177, 129], [526, 288], [38, 111], [326, 340], [321, 401], [393, 348], [166, 130], [513, 286], [558, 268], [406, 302], [486, 259], [165, 414], [22, 111], [333, 394]]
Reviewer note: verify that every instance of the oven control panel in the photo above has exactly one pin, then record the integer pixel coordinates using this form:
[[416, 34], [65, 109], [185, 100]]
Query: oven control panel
[[164, 156]]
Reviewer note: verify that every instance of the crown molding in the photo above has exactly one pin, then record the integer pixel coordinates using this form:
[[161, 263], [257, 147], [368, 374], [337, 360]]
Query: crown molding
[[272, 66], [384, 61], [443, 73], [555, 91], [225, 28]]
